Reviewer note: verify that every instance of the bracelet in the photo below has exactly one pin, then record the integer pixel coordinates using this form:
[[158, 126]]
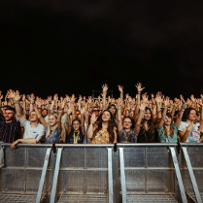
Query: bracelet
[[16, 102], [119, 109], [165, 107], [91, 123], [139, 92], [60, 111]]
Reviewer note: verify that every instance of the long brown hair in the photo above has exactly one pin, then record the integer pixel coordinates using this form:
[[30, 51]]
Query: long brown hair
[[150, 122], [171, 127], [110, 128]]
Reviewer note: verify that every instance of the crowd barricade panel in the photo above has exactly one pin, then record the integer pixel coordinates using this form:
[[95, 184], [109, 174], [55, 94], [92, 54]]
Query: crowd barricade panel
[[102, 173]]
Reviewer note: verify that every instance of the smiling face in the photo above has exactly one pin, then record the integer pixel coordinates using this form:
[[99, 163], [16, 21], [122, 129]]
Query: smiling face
[[44, 112], [76, 125], [127, 123], [147, 115], [52, 120], [192, 115], [106, 116], [112, 109], [167, 120]]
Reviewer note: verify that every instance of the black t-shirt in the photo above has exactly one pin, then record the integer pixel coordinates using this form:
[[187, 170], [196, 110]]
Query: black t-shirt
[[78, 136], [147, 136]]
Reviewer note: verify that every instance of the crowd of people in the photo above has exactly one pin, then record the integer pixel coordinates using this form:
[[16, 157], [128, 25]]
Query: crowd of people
[[144, 119]]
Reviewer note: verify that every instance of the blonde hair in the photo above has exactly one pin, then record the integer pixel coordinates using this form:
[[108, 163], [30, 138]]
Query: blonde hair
[[49, 127]]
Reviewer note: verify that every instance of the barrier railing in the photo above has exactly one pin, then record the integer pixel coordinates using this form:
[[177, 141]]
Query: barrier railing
[[102, 173], [27, 173], [192, 170], [148, 173]]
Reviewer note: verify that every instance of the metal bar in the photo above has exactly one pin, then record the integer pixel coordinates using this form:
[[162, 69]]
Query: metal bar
[[147, 145], [55, 179], [100, 145], [110, 176], [122, 171], [43, 176], [178, 174], [194, 144], [192, 177]]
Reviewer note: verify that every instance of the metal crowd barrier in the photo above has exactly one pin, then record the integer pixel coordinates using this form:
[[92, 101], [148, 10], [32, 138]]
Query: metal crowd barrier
[[191, 165], [88, 173]]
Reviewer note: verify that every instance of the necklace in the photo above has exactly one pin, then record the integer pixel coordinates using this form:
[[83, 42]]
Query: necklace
[[76, 138]]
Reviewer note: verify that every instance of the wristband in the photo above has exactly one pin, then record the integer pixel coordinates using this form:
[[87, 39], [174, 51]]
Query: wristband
[[165, 107], [16, 102]]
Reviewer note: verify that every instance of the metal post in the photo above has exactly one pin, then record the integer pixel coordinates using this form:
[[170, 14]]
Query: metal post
[[110, 176], [122, 171], [178, 174], [55, 179], [192, 177], [43, 176]]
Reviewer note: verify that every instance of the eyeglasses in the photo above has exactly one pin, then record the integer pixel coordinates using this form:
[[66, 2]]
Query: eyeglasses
[[112, 108], [95, 110]]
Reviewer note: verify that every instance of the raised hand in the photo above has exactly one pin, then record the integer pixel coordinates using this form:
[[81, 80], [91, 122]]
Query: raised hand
[[83, 110], [105, 87], [56, 97], [10, 94], [120, 88], [192, 98], [139, 87], [142, 106], [158, 98], [73, 98], [31, 98], [93, 118], [166, 102]]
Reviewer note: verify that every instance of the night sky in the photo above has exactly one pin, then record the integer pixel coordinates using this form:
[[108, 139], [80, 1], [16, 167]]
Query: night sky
[[75, 46]]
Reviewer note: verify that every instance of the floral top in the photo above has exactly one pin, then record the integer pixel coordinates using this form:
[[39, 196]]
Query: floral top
[[102, 137]]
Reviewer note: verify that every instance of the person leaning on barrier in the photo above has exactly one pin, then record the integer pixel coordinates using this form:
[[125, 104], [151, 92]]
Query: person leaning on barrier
[[104, 132], [144, 127], [9, 126], [126, 132], [34, 131], [53, 127], [167, 130]]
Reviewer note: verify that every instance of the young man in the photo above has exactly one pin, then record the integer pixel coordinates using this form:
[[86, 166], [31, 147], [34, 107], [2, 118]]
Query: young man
[[34, 131], [9, 126]]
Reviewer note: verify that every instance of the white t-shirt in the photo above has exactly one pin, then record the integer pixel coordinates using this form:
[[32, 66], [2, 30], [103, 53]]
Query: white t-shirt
[[47, 118], [194, 134], [29, 132]]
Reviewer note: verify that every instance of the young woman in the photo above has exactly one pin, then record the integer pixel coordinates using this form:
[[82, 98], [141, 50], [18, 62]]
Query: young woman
[[126, 131], [76, 135], [53, 127], [104, 132], [145, 127], [189, 130], [167, 131]]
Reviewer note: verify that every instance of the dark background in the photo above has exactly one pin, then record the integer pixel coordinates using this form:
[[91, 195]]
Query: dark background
[[75, 46]]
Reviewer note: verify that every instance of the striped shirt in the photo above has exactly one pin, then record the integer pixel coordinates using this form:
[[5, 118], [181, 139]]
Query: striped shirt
[[9, 132]]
